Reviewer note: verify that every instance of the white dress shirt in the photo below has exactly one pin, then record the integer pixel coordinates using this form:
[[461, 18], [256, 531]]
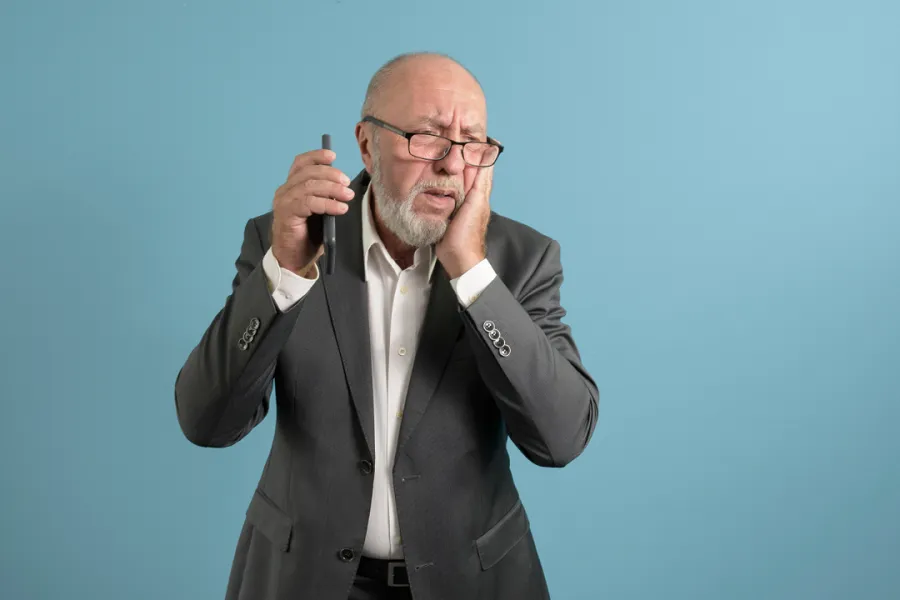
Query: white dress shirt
[[397, 303]]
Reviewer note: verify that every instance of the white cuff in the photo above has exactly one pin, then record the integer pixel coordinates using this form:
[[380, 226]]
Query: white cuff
[[470, 284], [287, 287]]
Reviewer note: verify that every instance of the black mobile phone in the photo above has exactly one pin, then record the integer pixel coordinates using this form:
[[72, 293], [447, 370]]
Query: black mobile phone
[[329, 237]]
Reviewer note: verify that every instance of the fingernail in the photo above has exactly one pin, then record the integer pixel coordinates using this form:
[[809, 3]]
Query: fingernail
[[344, 179]]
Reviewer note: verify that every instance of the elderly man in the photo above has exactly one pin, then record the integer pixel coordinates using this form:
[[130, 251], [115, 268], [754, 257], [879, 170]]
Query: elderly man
[[400, 376]]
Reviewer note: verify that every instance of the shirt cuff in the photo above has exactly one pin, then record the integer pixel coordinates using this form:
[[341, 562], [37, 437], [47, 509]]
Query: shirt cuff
[[470, 284], [287, 288]]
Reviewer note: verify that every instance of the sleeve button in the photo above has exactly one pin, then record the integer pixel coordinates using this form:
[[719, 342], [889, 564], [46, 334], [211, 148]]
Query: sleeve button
[[347, 554]]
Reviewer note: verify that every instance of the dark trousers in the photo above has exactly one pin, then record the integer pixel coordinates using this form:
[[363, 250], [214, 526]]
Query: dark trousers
[[367, 586]]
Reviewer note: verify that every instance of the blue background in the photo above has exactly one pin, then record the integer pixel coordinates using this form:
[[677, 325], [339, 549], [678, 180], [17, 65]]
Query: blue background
[[724, 179]]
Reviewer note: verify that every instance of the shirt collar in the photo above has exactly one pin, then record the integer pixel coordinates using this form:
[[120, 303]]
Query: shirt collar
[[371, 238]]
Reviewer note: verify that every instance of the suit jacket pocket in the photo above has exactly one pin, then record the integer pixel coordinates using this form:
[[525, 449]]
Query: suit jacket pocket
[[267, 518], [502, 537]]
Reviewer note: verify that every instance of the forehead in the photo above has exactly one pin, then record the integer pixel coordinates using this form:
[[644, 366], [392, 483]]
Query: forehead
[[442, 95]]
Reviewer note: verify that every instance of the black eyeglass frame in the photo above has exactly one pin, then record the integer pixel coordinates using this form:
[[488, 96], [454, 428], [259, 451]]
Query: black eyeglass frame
[[409, 135]]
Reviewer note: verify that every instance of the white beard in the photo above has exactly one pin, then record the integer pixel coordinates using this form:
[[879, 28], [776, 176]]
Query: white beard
[[400, 218]]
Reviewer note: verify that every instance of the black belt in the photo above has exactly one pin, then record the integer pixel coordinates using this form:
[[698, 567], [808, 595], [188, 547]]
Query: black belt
[[390, 572]]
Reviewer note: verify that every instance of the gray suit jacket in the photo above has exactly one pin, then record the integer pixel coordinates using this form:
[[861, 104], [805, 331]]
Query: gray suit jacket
[[465, 531]]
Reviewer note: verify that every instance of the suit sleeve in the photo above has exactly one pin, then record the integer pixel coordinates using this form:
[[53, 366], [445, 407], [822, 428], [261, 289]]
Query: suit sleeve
[[222, 391], [531, 365]]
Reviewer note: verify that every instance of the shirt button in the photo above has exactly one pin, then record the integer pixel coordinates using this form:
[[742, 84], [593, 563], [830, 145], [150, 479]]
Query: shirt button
[[401, 351], [403, 289]]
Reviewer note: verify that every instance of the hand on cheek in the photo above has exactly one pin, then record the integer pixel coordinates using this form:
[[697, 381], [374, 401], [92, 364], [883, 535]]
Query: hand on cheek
[[463, 245]]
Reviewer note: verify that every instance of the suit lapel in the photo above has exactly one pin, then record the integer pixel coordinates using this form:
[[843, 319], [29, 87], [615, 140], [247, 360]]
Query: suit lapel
[[347, 298], [440, 331]]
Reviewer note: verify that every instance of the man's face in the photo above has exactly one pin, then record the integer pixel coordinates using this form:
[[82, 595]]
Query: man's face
[[415, 198]]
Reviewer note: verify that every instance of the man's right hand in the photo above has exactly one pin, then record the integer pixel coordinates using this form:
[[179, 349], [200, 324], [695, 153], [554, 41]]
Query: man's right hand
[[313, 187]]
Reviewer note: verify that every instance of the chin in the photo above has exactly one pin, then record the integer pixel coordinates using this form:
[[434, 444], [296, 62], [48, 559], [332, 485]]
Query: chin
[[433, 218]]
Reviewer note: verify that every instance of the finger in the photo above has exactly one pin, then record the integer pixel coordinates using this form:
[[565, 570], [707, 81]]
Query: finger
[[487, 178], [323, 172], [319, 205], [482, 183], [313, 187], [326, 189], [313, 157], [307, 206]]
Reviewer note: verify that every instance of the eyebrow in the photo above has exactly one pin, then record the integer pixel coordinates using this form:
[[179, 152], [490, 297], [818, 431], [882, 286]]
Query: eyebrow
[[472, 131]]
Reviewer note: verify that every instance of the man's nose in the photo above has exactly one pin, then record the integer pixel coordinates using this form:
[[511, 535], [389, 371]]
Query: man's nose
[[453, 163]]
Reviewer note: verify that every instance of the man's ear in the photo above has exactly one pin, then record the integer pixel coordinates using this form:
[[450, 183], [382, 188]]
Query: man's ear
[[364, 141]]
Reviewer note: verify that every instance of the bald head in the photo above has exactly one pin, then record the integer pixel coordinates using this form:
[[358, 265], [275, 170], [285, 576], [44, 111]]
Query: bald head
[[402, 70]]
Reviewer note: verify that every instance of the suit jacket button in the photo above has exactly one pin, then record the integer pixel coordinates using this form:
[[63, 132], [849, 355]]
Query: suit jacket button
[[365, 466], [494, 334], [505, 350], [254, 324], [242, 344], [488, 326], [347, 554]]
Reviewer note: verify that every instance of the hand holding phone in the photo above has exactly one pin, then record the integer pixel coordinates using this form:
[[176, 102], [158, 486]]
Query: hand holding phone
[[313, 191]]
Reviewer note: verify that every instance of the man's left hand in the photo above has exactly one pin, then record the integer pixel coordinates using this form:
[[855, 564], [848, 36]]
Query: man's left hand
[[463, 245]]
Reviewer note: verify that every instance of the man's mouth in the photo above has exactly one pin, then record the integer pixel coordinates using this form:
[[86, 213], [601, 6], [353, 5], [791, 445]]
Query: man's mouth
[[442, 194]]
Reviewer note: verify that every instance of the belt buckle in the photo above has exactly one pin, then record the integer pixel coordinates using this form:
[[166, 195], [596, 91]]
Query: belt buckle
[[391, 579]]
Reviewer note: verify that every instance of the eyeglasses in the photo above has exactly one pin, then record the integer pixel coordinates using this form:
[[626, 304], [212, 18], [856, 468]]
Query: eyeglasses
[[428, 146]]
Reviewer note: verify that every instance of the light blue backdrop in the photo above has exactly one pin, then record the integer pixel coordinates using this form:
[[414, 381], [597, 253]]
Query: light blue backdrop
[[724, 179]]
